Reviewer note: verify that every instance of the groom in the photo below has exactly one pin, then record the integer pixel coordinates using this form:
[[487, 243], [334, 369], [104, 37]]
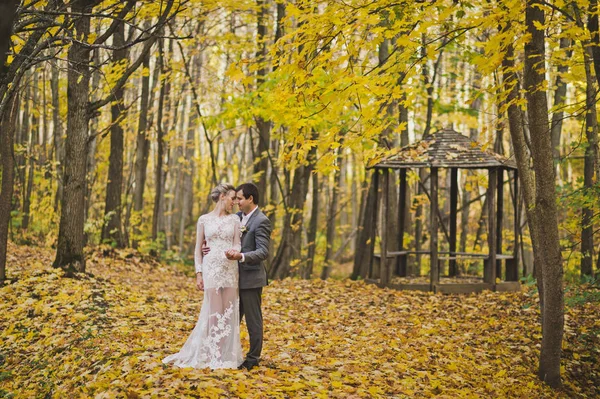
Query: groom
[[256, 234]]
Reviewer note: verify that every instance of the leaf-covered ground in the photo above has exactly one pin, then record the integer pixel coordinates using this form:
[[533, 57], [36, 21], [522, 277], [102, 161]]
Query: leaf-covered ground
[[104, 334]]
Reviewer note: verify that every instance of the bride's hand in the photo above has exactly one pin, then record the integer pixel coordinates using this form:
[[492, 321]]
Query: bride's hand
[[199, 282]]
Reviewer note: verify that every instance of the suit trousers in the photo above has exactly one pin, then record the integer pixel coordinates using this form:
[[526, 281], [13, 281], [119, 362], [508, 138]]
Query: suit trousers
[[250, 306]]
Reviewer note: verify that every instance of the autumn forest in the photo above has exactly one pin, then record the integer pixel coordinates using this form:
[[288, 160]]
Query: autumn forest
[[118, 118]]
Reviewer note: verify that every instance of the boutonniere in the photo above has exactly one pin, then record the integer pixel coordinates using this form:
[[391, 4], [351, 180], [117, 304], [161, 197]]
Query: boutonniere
[[243, 229]]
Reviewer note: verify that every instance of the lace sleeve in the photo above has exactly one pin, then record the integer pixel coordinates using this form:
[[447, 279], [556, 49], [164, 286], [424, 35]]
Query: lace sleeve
[[237, 235], [199, 241]]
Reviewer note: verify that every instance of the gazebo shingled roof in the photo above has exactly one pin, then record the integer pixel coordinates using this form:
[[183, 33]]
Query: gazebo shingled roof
[[445, 149]]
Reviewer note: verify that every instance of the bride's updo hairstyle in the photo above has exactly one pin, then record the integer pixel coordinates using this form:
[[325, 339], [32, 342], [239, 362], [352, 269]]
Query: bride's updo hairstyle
[[222, 188]]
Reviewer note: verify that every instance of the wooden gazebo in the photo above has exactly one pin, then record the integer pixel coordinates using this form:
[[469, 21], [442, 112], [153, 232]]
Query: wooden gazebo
[[450, 150]]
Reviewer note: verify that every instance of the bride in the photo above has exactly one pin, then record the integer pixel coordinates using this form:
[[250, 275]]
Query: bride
[[215, 341]]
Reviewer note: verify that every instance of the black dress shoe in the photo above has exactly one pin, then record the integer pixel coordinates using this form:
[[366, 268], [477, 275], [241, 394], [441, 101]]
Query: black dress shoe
[[250, 366], [247, 365]]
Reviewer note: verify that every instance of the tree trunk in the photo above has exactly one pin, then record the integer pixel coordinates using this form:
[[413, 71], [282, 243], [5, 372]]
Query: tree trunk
[[32, 138], [142, 150], [274, 197], [419, 217], [587, 214], [188, 186], [466, 200], [92, 171], [391, 139], [429, 81], [7, 160], [428, 86], [560, 95], [29, 186], [545, 198], [290, 248], [169, 175], [466, 195], [261, 165], [356, 195], [143, 146], [280, 26], [7, 16], [59, 148], [595, 36], [404, 141], [160, 149], [69, 252], [127, 202], [112, 229], [331, 219], [590, 163], [522, 153], [274, 182], [177, 168], [16, 134], [44, 121], [22, 140], [364, 241], [312, 229]]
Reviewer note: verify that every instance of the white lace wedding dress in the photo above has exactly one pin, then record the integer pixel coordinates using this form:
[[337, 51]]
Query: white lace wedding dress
[[215, 341]]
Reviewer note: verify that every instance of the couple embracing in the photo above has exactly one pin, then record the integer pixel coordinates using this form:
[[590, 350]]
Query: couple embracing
[[229, 256]]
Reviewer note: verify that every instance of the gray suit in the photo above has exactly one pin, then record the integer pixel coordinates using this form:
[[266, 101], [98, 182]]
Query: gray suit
[[255, 247], [253, 276]]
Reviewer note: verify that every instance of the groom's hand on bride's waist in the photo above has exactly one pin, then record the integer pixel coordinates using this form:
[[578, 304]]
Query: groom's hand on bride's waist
[[205, 248]]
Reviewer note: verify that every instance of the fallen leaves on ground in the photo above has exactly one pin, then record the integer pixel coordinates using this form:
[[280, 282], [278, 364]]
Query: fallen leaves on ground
[[104, 334]]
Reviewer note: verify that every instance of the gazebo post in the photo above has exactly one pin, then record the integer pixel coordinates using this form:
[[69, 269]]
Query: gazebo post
[[433, 231], [401, 265], [384, 265], [374, 222], [489, 268], [452, 271], [512, 265], [499, 217]]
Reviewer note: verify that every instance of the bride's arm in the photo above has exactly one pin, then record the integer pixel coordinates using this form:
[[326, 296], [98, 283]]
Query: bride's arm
[[199, 240]]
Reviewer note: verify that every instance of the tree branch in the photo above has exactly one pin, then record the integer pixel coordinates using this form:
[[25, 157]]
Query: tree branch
[[164, 18], [115, 23]]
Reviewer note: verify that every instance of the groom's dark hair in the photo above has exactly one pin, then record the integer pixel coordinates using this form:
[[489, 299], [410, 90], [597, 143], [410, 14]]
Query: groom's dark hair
[[249, 189]]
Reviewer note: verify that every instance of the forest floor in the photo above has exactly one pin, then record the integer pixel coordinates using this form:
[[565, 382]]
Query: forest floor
[[103, 335]]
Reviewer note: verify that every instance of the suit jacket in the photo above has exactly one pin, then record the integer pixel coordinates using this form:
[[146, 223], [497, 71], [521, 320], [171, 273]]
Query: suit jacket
[[255, 247]]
